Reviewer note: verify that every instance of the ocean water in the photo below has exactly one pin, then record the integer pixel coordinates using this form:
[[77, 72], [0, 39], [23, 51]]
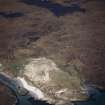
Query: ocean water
[[97, 97], [22, 99]]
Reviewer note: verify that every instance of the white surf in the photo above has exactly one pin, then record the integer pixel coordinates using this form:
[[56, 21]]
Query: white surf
[[33, 91]]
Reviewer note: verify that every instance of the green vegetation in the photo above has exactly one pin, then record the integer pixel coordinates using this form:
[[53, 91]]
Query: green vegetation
[[15, 68], [12, 68]]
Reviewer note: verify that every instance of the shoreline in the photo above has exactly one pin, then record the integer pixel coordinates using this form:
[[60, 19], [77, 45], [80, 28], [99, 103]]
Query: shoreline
[[33, 91]]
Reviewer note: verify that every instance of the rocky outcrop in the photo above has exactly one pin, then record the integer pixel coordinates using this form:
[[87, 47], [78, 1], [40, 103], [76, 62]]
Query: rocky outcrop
[[58, 86]]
